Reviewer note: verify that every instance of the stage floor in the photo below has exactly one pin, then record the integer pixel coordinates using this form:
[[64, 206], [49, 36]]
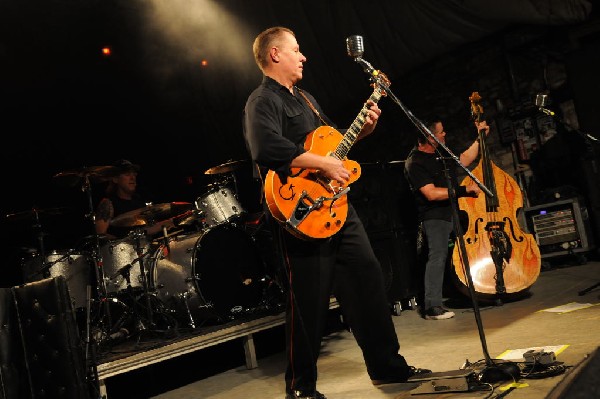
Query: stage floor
[[572, 332]]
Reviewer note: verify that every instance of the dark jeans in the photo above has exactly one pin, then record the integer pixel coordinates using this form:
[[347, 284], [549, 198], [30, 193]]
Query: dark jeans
[[437, 233], [346, 266]]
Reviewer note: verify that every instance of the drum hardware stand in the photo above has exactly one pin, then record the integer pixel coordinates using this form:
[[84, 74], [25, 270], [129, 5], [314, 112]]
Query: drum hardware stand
[[166, 238], [125, 272], [137, 235], [45, 266], [184, 296], [94, 370], [37, 225], [101, 284], [206, 305], [271, 283]]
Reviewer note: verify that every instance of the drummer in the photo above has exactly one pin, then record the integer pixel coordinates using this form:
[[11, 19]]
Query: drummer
[[121, 197]]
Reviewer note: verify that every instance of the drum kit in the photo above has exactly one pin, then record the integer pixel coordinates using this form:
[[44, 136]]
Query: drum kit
[[210, 270]]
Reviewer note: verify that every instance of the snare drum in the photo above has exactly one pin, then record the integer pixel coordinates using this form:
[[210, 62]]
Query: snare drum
[[73, 266], [213, 275], [218, 206]]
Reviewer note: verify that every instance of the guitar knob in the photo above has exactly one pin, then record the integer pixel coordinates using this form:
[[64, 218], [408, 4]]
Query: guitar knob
[[327, 224], [338, 222]]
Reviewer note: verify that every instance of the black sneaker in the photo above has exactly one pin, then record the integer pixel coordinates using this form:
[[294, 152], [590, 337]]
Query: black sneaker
[[417, 372], [438, 313], [412, 372], [297, 394]]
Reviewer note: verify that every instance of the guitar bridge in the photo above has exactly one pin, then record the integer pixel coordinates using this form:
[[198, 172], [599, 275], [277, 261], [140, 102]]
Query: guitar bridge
[[303, 208], [306, 205]]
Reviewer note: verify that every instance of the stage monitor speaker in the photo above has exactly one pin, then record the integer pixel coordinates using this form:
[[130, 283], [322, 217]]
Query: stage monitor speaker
[[14, 382], [582, 381], [53, 349]]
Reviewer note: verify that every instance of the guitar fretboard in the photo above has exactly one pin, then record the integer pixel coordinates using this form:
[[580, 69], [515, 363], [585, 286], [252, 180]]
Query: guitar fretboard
[[353, 131]]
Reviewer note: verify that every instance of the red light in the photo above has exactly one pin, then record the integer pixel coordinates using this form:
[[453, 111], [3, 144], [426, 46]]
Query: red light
[[204, 63], [106, 51]]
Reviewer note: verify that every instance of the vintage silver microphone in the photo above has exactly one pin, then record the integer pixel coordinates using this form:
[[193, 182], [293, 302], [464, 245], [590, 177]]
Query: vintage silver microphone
[[541, 100], [355, 49], [354, 46]]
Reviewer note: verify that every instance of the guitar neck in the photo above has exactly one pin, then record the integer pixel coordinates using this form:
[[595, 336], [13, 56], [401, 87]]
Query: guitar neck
[[353, 131]]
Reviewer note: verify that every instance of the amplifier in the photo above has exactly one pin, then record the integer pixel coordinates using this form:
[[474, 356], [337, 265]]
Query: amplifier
[[560, 227]]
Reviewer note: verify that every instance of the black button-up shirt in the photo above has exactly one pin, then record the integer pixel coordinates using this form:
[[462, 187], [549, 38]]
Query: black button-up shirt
[[276, 123]]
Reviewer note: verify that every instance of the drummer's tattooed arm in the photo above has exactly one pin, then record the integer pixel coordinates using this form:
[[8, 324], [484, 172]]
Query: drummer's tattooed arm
[[104, 211]]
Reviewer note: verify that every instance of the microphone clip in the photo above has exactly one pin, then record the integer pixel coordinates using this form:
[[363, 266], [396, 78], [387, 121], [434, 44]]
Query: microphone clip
[[546, 111], [367, 67]]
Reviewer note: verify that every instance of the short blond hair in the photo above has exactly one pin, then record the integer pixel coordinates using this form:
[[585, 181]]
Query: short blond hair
[[263, 43]]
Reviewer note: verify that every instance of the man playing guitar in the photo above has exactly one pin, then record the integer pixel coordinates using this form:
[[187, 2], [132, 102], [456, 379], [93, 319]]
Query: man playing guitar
[[279, 120]]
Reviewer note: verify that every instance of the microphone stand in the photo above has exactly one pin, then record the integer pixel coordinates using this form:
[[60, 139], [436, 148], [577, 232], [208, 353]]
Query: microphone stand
[[588, 139], [586, 136], [492, 372]]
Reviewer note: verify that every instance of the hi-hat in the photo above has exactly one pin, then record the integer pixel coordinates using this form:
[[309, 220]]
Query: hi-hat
[[226, 167], [34, 213], [151, 214], [97, 173]]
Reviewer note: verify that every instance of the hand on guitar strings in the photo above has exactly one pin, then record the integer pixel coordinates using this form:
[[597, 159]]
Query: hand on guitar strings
[[373, 113]]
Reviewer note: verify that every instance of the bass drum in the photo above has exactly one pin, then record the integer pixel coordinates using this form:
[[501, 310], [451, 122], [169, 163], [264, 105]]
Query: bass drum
[[210, 276]]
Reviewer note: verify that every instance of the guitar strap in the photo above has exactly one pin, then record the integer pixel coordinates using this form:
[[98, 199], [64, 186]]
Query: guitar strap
[[311, 105]]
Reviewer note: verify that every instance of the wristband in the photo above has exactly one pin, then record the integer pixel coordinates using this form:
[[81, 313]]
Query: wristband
[[461, 191]]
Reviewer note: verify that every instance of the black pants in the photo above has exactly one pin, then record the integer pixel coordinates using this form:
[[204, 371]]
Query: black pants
[[346, 266]]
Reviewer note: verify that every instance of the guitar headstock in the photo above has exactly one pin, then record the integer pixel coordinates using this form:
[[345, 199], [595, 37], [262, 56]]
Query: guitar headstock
[[476, 108], [380, 79]]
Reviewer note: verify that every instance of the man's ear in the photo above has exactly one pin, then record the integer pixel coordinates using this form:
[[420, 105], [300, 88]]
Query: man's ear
[[274, 53]]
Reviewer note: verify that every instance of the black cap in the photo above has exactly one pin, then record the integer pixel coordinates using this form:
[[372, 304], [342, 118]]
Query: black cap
[[123, 166]]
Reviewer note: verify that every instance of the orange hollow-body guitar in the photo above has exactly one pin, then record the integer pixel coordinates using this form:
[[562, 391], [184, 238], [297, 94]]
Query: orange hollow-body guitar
[[308, 204]]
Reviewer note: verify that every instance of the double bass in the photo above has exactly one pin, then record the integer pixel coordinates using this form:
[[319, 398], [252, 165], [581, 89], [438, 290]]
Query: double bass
[[504, 261]]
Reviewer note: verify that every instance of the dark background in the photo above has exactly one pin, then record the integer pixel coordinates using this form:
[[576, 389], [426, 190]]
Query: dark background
[[66, 106]]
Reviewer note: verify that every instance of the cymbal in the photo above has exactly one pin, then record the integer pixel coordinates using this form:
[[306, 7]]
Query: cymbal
[[226, 167], [187, 218], [151, 214], [98, 173], [34, 213]]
